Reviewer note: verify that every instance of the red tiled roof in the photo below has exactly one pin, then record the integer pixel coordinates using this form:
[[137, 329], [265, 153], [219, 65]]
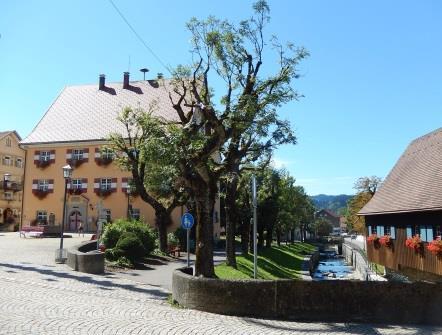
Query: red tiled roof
[[85, 113], [415, 182]]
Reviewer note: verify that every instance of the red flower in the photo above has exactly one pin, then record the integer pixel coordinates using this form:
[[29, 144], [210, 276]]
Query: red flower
[[372, 238], [414, 242], [435, 247], [386, 240]]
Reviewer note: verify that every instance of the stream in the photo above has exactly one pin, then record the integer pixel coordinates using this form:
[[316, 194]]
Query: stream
[[332, 267]]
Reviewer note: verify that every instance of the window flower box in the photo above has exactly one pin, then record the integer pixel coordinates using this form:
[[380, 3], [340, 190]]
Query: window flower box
[[386, 241], [435, 247], [40, 193], [104, 192], [76, 162], [373, 239], [414, 243], [104, 160], [42, 163], [76, 191]]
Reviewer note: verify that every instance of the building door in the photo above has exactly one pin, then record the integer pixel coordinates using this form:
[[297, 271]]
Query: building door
[[74, 220]]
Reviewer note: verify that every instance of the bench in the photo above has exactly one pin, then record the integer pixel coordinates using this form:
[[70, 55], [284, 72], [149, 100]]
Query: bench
[[174, 250], [32, 231]]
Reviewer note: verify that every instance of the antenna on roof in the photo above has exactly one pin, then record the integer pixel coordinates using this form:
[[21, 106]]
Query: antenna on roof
[[144, 70]]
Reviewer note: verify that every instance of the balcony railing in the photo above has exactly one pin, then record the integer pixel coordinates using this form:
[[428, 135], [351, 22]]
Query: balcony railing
[[12, 186]]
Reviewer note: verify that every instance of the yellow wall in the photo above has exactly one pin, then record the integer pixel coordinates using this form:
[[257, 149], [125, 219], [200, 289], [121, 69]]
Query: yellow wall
[[14, 152], [53, 202]]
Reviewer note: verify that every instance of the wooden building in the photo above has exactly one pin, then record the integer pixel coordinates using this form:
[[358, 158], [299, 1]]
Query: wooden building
[[404, 217]]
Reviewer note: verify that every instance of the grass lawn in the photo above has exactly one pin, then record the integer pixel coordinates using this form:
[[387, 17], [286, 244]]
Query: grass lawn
[[273, 263]]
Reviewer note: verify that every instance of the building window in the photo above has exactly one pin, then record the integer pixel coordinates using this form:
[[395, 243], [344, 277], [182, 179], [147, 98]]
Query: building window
[[392, 232], [42, 216], [106, 184], [135, 213], [9, 196], [438, 230], [107, 154], [8, 142], [409, 231], [45, 156], [108, 214], [19, 163], [43, 185], [77, 154], [380, 230], [426, 233], [77, 184], [369, 230], [6, 160]]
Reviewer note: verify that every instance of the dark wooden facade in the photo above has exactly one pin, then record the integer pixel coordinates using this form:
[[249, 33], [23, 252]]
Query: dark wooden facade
[[398, 256]]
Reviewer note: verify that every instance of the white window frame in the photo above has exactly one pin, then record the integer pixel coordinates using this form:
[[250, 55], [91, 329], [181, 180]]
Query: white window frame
[[426, 233], [77, 184], [43, 185], [45, 156], [77, 154], [107, 154], [7, 160], [19, 163], [42, 216], [106, 184]]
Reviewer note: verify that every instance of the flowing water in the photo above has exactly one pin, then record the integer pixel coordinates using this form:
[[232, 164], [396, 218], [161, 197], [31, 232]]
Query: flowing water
[[332, 267]]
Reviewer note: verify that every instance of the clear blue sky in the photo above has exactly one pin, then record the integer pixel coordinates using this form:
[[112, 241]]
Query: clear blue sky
[[372, 84]]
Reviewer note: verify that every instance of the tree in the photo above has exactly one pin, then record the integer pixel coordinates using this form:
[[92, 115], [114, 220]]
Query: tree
[[148, 155], [323, 227], [366, 188], [213, 142]]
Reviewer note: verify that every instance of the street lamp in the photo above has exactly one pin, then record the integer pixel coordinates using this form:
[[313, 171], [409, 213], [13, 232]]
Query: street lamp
[[128, 191], [67, 174]]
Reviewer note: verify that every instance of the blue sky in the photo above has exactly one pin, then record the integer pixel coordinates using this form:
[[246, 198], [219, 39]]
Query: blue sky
[[373, 81]]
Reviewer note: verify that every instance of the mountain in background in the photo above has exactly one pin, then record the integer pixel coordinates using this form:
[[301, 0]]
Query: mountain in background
[[335, 203]]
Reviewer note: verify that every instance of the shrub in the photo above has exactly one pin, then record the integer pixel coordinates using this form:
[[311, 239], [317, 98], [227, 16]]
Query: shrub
[[114, 231], [130, 246], [172, 239]]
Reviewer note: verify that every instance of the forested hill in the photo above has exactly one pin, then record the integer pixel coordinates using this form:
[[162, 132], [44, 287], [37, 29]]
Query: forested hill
[[335, 203]]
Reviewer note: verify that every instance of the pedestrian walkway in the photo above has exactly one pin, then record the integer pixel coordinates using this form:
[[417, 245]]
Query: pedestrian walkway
[[38, 296]]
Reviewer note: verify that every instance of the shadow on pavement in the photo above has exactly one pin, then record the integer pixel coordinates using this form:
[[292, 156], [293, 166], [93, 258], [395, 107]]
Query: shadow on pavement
[[101, 284]]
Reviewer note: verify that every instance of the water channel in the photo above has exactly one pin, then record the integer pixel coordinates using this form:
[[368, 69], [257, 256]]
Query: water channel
[[332, 267]]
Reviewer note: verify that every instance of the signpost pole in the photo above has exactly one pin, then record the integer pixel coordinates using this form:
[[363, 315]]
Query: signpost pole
[[255, 247], [187, 222], [188, 248]]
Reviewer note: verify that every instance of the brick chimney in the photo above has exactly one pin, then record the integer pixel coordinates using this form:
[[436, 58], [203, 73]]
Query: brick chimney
[[102, 82], [126, 80]]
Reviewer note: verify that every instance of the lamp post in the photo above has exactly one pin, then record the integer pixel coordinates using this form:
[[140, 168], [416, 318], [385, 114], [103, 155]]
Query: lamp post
[[128, 191], [67, 174]]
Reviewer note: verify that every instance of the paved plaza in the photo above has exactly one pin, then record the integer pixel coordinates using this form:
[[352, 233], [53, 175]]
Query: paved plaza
[[40, 297]]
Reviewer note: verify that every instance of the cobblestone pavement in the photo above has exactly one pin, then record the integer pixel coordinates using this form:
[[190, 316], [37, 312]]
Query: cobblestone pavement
[[39, 297]]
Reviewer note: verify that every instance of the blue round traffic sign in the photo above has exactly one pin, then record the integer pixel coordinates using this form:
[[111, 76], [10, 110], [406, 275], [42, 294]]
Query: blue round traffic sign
[[187, 221]]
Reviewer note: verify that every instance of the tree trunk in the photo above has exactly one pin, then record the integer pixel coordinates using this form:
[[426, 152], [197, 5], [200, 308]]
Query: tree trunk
[[231, 219], [269, 236], [163, 221], [245, 237], [260, 236], [205, 201], [278, 237]]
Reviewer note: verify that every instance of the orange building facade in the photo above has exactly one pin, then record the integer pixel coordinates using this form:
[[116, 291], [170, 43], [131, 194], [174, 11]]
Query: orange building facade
[[12, 163], [73, 131]]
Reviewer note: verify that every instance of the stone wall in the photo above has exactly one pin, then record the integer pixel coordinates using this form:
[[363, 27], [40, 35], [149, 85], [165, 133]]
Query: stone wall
[[337, 301]]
